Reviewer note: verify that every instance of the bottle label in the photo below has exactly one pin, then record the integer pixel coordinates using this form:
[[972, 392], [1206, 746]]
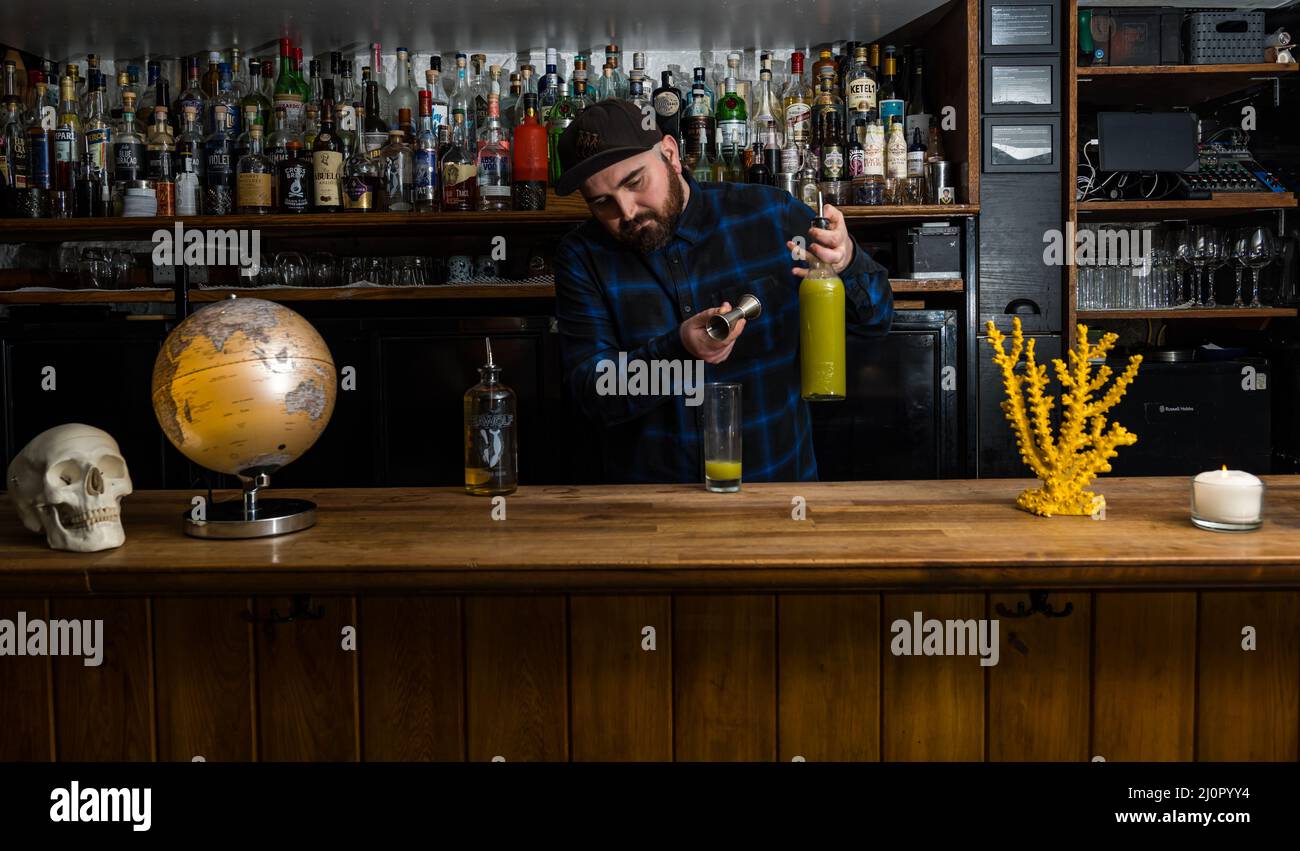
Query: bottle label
[[426, 175], [327, 168], [358, 194], [158, 164], [97, 148], [798, 121], [857, 162], [862, 94], [832, 163], [253, 190], [128, 161], [667, 104], [65, 145], [439, 115], [896, 160], [217, 163], [454, 174], [187, 193], [347, 118], [165, 194], [293, 187], [916, 163], [293, 109], [733, 132], [38, 161], [888, 109], [18, 163], [47, 117], [919, 121]]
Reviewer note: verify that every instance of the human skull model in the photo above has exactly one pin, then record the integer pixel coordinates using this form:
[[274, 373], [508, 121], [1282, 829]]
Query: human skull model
[[69, 481]]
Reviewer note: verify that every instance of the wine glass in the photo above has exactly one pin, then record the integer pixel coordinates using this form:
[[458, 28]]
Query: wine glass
[[1222, 256], [291, 269], [1205, 252], [1180, 250], [1240, 242], [1261, 248]]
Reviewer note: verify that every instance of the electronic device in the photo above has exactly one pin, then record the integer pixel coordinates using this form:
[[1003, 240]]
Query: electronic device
[[929, 251], [1230, 167], [1147, 141]]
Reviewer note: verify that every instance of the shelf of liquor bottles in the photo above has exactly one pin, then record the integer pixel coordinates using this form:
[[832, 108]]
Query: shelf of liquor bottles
[[498, 289]]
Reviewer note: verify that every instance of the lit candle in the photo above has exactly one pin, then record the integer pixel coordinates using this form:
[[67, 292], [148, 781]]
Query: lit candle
[[1227, 500]]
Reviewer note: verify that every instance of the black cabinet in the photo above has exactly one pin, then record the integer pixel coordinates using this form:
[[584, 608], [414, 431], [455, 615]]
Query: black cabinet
[[998, 454]]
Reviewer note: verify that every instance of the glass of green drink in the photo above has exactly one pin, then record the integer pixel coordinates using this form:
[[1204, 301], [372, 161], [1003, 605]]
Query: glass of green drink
[[722, 424]]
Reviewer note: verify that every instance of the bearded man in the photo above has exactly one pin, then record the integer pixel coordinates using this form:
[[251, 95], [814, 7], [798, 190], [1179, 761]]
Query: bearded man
[[662, 254]]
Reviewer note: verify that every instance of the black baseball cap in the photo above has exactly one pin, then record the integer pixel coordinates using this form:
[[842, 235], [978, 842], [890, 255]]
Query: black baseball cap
[[601, 135]]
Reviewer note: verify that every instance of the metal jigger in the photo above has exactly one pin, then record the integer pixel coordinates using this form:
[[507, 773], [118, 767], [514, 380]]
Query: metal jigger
[[720, 324], [253, 516]]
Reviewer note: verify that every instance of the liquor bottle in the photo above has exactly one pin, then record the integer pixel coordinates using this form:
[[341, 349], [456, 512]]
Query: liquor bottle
[[934, 151], [732, 117], [242, 139], [192, 97], [491, 457], [345, 123], [699, 84], [123, 86], [824, 61], [327, 167], [13, 144], [916, 155], [551, 87], [720, 166], [797, 102], [310, 124], [918, 117], [668, 107], [857, 151], [440, 110], [403, 96], [375, 129], [258, 101], [734, 159], [527, 81], [396, 174], [462, 100], [873, 150], [759, 172], [424, 189], [832, 152], [511, 105], [890, 98], [97, 141], [219, 166], [861, 87], [767, 105], [149, 98], [130, 161], [187, 163], [828, 104], [254, 178], [636, 93], [562, 114], [809, 175], [238, 85], [638, 70], [67, 140], [479, 86], [896, 150], [733, 71], [493, 164], [791, 156], [605, 88], [493, 86], [287, 94], [293, 170], [300, 79], [700, 128], [821, 328], [40, 143], [160, 162], [703, 167], [336, 67], [381, 81], [873, 59], [529, 167], [315, 86], [844, 63], [612, 54], [212, 77], [459, 180]]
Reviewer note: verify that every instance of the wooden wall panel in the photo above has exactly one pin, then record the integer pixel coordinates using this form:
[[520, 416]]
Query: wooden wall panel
[[516, 691], [105, 712], [203, 663], [622, 694], [306, 684], [1248, 701], [1040, 690], [1144, 676], [933, 707], [725, 691], [412, 679], [829, 676], [26, 734]]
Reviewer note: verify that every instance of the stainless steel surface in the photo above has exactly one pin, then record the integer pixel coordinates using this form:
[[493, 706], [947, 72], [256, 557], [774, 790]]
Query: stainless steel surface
[[275, 516], [719, 325]]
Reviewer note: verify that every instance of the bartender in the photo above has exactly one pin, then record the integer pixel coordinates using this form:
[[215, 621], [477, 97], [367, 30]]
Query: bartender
[[660, 255]]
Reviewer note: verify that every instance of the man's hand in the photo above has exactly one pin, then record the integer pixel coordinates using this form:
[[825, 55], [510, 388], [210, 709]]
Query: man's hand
[[697, 341], [833, 246]]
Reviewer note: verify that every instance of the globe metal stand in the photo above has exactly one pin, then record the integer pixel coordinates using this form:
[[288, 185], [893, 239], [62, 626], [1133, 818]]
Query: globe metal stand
[[253, 516]]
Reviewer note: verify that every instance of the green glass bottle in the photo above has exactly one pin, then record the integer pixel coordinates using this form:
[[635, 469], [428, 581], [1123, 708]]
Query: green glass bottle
[[732, 117], [821, 329]]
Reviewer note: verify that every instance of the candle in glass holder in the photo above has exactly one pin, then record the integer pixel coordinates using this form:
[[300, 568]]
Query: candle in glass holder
[[1227, 500]]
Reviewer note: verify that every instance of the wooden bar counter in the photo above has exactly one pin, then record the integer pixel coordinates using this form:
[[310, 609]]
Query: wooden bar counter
[[664, 622]]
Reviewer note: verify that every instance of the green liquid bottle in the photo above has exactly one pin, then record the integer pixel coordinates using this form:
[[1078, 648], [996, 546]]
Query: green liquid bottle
[[821, 330]]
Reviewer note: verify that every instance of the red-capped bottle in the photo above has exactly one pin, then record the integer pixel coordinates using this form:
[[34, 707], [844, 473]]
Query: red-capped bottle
[[530, 159]]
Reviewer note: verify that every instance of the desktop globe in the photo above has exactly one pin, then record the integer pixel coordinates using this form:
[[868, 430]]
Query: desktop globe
[[244, 386]]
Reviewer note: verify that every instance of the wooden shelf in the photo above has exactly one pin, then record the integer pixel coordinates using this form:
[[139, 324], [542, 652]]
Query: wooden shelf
[[1223, 203], [505, 289], [909, 212], [1170, 85], [1189, 313]]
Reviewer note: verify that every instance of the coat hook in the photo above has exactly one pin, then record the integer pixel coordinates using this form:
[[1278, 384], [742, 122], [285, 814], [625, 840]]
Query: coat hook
[[301, 610], [1037, 603]]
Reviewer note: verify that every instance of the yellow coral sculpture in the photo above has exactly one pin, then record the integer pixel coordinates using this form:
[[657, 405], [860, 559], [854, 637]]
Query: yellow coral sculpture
[[1065, 466]]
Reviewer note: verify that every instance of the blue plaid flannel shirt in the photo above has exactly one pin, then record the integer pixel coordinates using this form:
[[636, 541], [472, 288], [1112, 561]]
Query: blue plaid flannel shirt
[[729, 240]]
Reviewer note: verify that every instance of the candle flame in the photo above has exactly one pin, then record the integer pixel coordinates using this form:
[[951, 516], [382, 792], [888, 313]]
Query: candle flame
[[1224, 467]]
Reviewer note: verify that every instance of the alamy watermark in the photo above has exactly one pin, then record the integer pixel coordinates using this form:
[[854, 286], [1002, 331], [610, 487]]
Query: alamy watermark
[[933, 637], [183, 246], [37, 637], [73, 803], [1097, 246], [654, 377]]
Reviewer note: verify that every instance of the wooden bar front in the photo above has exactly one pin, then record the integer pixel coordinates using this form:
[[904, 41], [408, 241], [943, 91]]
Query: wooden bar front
[[664, 622]]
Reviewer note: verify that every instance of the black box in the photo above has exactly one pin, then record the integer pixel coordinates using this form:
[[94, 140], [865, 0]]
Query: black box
[[1140, 36], [929, 252]]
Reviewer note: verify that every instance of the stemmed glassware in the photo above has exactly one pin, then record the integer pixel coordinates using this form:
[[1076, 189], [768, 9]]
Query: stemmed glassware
[[1206, 250], [1180, 249], [1261, 248], [1240, 242]]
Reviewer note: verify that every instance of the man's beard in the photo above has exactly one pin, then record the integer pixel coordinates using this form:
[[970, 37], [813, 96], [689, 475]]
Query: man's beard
[[659, 228]]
